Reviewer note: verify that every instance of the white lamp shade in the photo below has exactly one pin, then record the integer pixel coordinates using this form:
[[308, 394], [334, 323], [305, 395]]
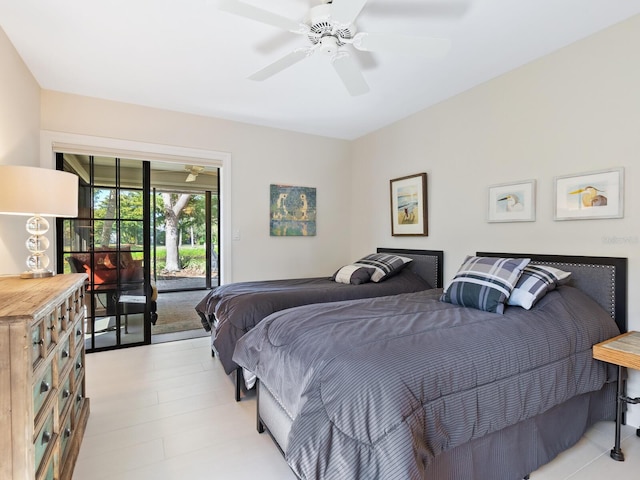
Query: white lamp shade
[[38, 191]]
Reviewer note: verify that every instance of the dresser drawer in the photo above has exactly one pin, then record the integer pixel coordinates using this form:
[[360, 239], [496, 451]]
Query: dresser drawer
[[45, 439], [76, 304], [42, 388], [53, 324], [64, 354], [78, 332], [63, 313], [38, 351], [51, 327], [78, 401], [65, 394], [78, 366], [66, 432]]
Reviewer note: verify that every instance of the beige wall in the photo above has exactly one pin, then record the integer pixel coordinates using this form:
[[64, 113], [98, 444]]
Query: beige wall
[[260, 157], [19, 143], [575, 111]]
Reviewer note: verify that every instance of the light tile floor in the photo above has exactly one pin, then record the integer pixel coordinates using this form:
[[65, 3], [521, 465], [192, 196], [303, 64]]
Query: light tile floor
[[167, 412]]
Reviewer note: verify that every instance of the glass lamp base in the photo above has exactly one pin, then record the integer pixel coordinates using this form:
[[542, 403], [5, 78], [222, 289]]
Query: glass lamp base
[[40, 274]]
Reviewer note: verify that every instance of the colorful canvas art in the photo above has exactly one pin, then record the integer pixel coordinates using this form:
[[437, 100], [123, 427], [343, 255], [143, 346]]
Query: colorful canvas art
[[293, 211]]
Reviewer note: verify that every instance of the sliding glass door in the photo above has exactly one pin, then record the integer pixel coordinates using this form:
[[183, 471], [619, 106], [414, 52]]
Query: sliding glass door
[[110, 242], [143, 229]]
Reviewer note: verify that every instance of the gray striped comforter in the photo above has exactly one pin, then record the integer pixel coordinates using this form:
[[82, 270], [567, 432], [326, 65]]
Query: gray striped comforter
[[377, 388], [236, 308]]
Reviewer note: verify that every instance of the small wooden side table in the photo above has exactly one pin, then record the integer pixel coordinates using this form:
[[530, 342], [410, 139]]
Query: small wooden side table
[[623, 351]]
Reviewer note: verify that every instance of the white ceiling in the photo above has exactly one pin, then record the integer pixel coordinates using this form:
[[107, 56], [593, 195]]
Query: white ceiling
[[188, 56]]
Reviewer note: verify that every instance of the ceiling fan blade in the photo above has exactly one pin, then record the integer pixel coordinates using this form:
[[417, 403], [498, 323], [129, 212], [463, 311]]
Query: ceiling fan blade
[[263, 16], [279, 65], [345, 12], [426, 8], [385, 42], [349, 73]]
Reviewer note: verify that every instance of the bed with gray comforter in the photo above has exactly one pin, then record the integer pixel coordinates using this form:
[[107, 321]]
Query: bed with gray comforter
[[230, 311], [409, 387]]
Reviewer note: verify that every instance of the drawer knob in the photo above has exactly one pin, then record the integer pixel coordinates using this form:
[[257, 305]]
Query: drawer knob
[[44, 387], [65, 353], [78, 332], [69, 309], [66, 393], [78, 398], [39, 342], [46, 438], [78, 365], [67, 432], [52, 327], [62, 317]]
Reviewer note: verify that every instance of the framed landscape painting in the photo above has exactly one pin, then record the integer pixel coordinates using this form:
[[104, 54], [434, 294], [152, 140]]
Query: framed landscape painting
[[409, 205], [292, 211]]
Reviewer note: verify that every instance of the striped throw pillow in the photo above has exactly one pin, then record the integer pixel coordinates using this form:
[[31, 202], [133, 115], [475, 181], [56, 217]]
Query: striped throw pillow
[[353, 274], [484, 283]]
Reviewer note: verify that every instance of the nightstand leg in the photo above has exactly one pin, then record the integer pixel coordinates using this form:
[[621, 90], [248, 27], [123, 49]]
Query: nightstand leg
[[616, 452]]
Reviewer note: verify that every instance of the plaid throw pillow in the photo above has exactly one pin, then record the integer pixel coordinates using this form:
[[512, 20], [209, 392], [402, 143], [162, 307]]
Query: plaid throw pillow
[[484, 283], [384, 265], [535, 282], [353, 274]]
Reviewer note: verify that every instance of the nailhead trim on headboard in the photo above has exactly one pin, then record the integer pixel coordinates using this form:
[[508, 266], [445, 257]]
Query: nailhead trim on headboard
[[610, 268]]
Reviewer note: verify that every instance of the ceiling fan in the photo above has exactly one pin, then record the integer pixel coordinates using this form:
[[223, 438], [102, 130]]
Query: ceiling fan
[[194, 171], [330, 28]]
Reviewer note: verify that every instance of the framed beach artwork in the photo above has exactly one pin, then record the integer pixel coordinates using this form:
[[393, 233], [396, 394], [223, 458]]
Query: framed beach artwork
[[512, 202], [588, 196], [292, 211], [409, 205]]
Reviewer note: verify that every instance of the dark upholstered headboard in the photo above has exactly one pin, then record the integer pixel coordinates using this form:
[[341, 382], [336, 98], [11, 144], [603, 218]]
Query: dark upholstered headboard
[[426, 263], [602, 278]]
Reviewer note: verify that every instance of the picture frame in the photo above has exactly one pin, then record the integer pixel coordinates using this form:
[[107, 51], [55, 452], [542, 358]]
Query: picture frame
[[409, 205], [292, 211], [590, 196], [512, 202]]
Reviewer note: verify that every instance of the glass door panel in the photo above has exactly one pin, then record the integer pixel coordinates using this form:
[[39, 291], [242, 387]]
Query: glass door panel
[[110, 242]]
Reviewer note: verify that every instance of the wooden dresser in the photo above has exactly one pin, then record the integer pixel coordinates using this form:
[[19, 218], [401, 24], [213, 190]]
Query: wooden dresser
[[43, 408]]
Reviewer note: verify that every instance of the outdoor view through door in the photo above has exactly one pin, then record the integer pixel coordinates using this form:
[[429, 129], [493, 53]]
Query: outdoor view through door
[[147, 236], [185, 247]]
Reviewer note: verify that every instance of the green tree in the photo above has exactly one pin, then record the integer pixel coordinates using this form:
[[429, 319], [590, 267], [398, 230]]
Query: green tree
[[174, 203]]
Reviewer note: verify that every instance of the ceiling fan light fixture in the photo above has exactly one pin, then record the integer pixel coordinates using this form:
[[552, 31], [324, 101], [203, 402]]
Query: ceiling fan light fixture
[[329, 45], [194, 171]]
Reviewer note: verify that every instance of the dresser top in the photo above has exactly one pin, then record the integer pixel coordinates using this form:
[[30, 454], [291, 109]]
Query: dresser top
[[20, 298]]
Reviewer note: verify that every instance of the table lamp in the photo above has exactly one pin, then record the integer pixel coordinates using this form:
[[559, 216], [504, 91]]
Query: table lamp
[[38, 193]]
